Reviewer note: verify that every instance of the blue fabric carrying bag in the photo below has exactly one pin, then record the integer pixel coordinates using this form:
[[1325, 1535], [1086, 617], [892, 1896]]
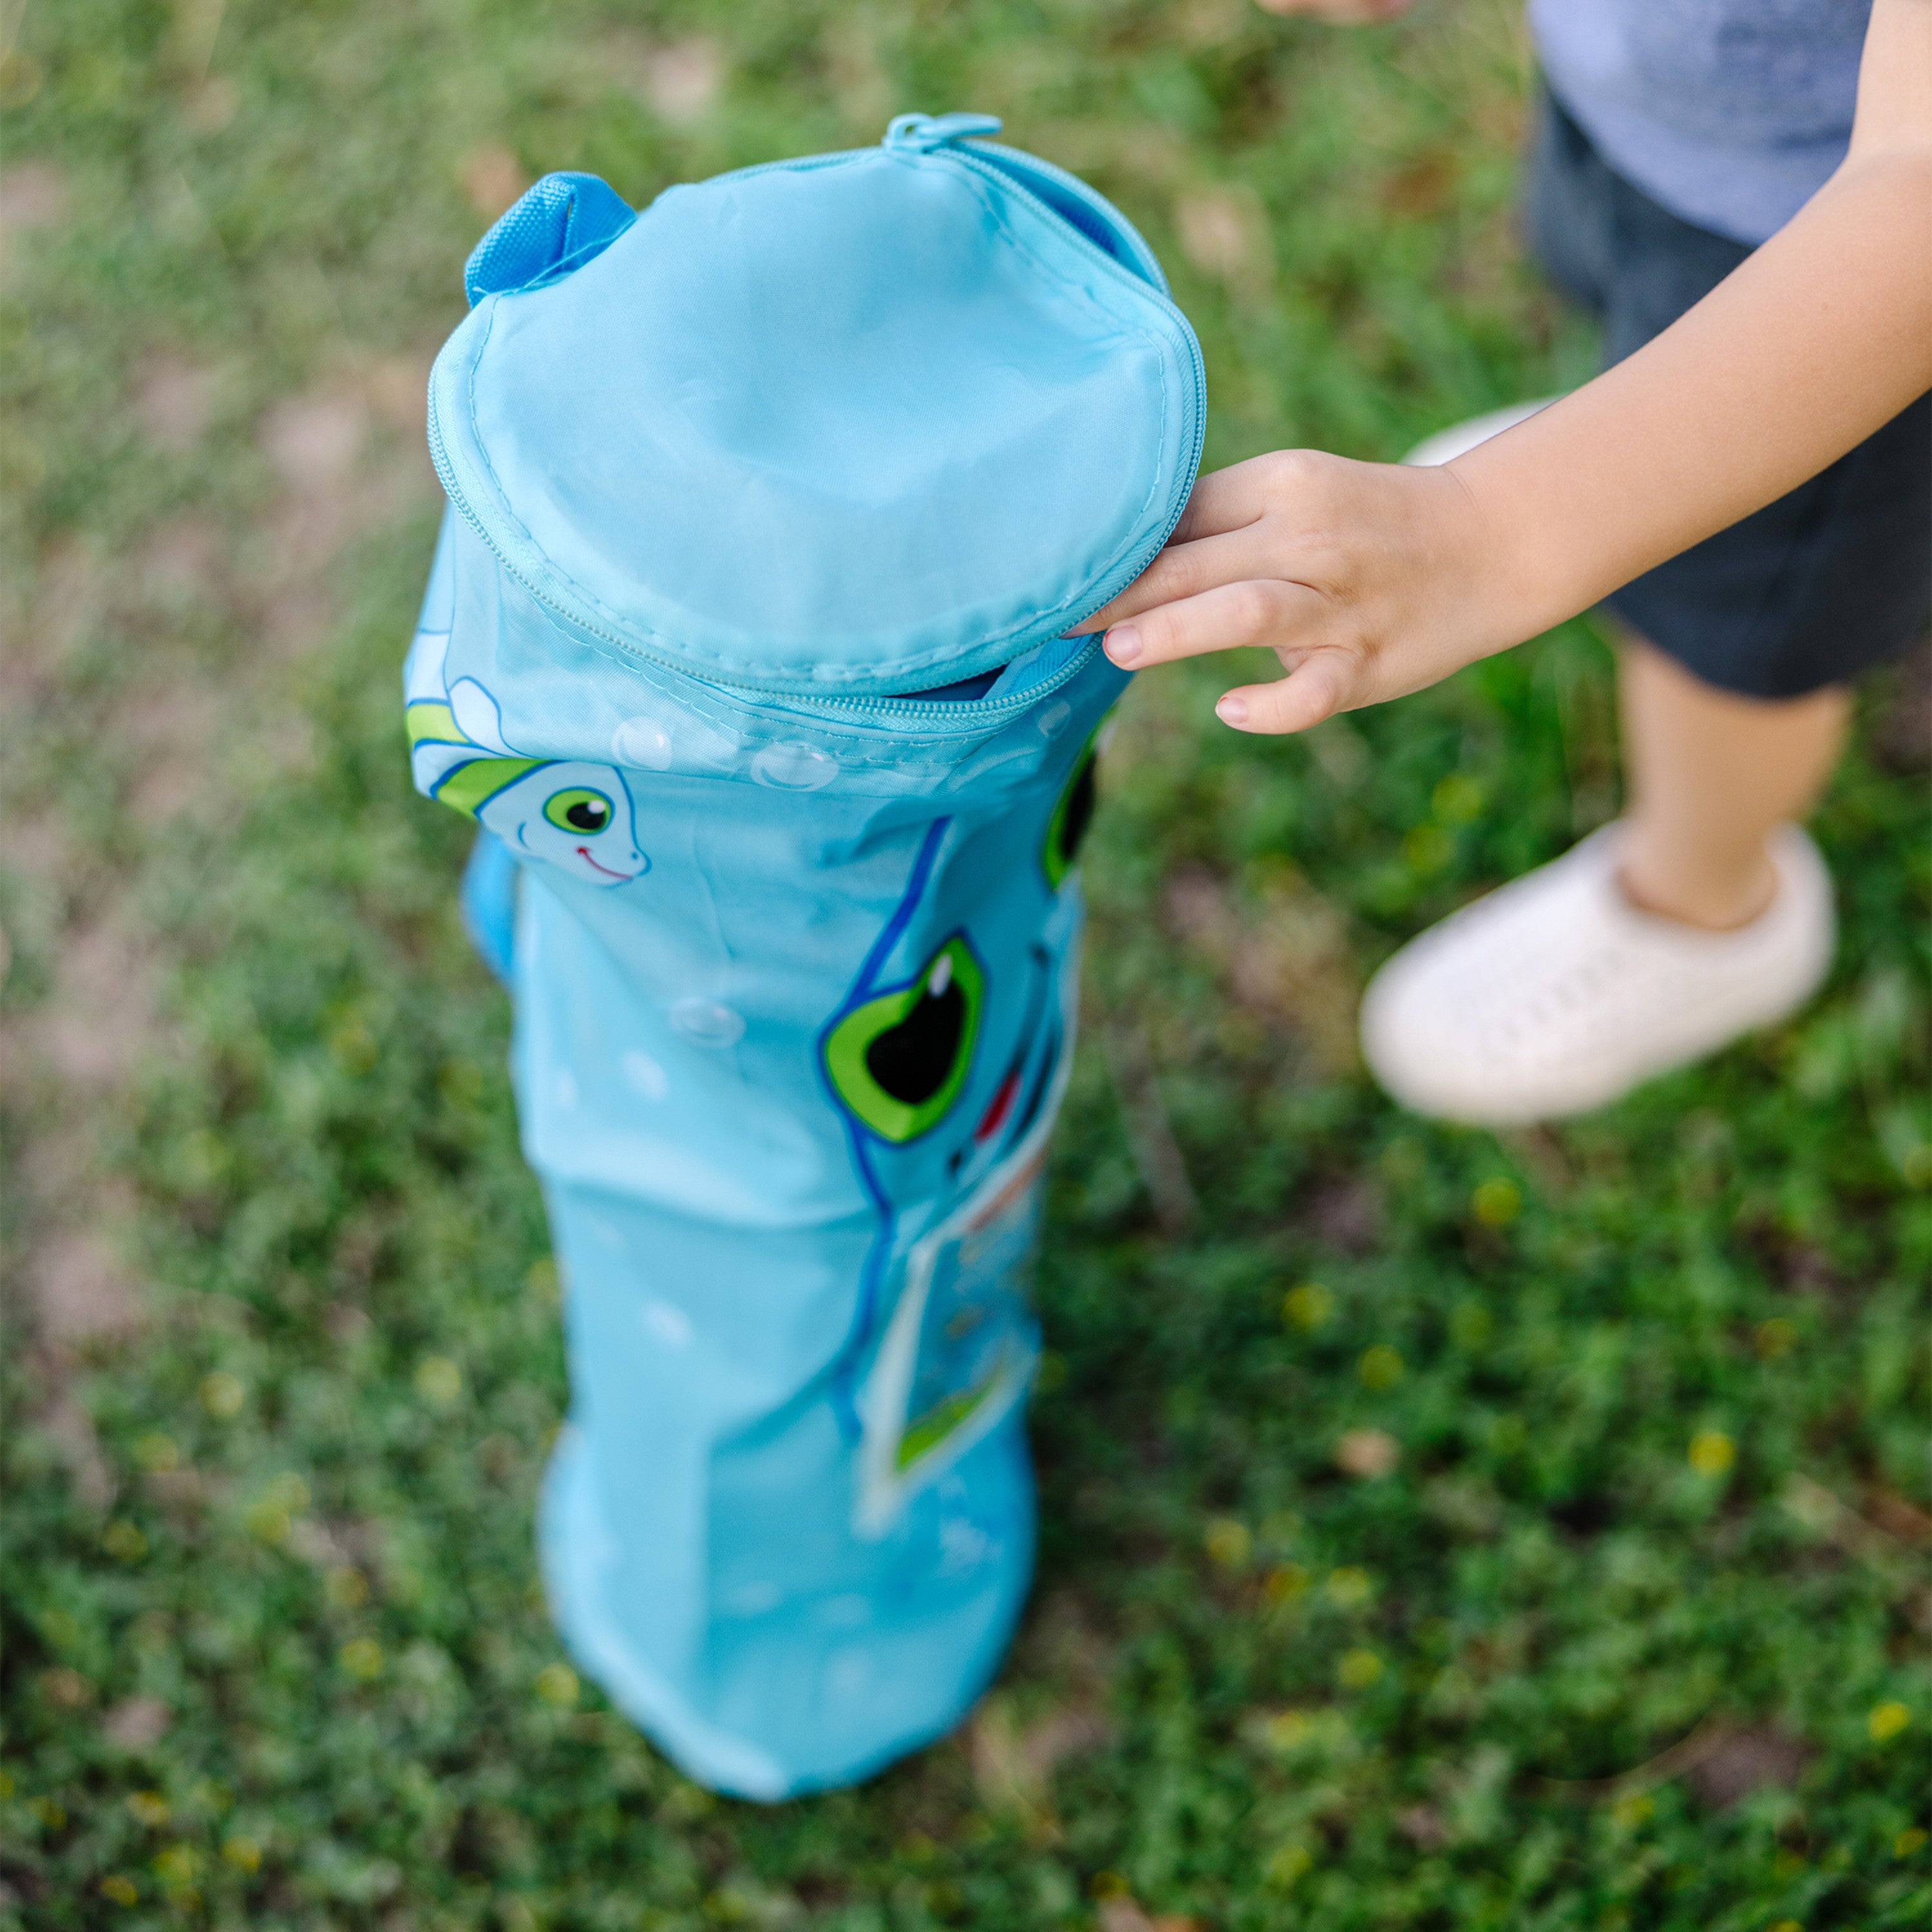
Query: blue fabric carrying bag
[[770, 507]]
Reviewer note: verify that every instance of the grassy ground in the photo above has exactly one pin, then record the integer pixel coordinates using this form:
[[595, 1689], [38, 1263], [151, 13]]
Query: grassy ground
[[1440, 1530]]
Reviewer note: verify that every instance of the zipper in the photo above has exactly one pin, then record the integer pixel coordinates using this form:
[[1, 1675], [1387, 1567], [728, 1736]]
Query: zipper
[[909, 709], [970, 715], [958, 127], [1104, 260], [974, 711], [1023, 164]]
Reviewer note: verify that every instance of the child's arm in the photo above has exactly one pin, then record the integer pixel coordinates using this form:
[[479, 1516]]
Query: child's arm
[[1370, 581]]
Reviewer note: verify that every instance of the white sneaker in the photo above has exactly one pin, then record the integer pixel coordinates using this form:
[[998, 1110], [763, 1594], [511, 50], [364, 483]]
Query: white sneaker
[[1459, 439], [1556, 995]]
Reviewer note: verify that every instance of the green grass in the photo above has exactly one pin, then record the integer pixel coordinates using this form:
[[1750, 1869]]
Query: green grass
[[282, 1361]]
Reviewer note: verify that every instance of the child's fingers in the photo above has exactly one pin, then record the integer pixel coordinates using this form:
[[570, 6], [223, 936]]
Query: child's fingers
[[1261, 610], [1185, 570], [1316, 689], [1224, 503], [1225, 500]]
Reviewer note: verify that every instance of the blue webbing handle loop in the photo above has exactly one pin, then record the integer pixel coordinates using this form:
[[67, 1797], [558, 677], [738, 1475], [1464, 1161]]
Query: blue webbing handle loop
[[552, 227]]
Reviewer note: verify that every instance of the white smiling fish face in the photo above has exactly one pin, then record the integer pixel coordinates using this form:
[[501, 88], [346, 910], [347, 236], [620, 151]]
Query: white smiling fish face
[[570, 813], [576, 816]]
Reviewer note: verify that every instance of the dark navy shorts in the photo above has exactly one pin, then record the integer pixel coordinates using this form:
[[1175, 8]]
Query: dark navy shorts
[[1813, 589]]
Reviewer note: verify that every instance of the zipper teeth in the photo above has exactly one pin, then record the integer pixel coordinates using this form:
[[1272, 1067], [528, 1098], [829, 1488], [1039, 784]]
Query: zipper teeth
[[1034, 164], [913, 709], [966, 719], [964, 148], [963, 152], [1106, 261], [928, 712], [975, 710]]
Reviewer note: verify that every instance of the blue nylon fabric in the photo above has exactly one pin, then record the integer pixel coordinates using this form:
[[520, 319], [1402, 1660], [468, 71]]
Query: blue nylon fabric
[[794, 975], [489, 902], [871, 423], [559, 224]]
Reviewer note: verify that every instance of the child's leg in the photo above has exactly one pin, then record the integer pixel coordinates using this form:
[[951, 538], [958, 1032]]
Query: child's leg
[[1704, 912], [1708, 776]]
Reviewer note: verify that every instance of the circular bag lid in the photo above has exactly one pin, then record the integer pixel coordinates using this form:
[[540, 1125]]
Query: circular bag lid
[[858, 423]]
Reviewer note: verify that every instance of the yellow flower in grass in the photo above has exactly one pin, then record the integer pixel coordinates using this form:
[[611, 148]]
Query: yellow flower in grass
[[1887, 1720], [1348, 1588], [1712, 1452], [1289, 1730], [1380, 1367], [176, 1867], [1289, 1865], [124, 1542], [268, 1521], [271, 1516], [1426, 847], [557, 1683], [1227, 1542], [244, 1854], [1496, 1202], [1358, 1670], [1284, 1582], [345, 1587], [222, 1395], [120, 1889], [438, 1380], [1457, 799], [1307, 1307], [362, 1658]]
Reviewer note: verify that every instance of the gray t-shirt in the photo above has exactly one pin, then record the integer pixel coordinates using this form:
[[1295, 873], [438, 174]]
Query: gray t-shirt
[[1730, 113]]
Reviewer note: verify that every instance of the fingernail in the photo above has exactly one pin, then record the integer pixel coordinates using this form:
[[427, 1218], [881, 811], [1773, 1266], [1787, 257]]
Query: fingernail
[[1232, 710], [1124, 643]]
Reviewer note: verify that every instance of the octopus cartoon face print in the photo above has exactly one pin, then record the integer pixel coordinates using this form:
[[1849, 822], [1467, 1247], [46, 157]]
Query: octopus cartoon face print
[[570, 813]]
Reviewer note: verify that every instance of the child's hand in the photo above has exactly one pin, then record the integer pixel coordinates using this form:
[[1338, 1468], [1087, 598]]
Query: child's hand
[[1367, 580]]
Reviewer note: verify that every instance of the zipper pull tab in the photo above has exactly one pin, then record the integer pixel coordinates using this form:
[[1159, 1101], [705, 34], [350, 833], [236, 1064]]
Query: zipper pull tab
[[925, 132]]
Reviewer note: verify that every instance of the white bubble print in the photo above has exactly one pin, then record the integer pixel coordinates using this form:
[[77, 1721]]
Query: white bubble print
[[705, 1023], [645, 1076], [794, 767], [643, 742], [670, 1325]]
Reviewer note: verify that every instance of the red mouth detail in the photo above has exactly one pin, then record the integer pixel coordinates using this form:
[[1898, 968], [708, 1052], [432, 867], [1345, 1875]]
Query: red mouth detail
[[583, 852], [998, 1107]]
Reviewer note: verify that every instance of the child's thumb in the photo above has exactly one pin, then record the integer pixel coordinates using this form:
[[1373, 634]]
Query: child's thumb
[[1317, 688]]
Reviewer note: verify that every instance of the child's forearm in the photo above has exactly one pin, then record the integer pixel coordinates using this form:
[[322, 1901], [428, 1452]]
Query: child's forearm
[[1820, 338], [1369, 580]]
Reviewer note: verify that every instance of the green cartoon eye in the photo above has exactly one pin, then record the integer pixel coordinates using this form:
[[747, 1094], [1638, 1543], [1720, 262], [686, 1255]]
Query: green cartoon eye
[[579, 809], [1073, 813], [899, 1060]]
